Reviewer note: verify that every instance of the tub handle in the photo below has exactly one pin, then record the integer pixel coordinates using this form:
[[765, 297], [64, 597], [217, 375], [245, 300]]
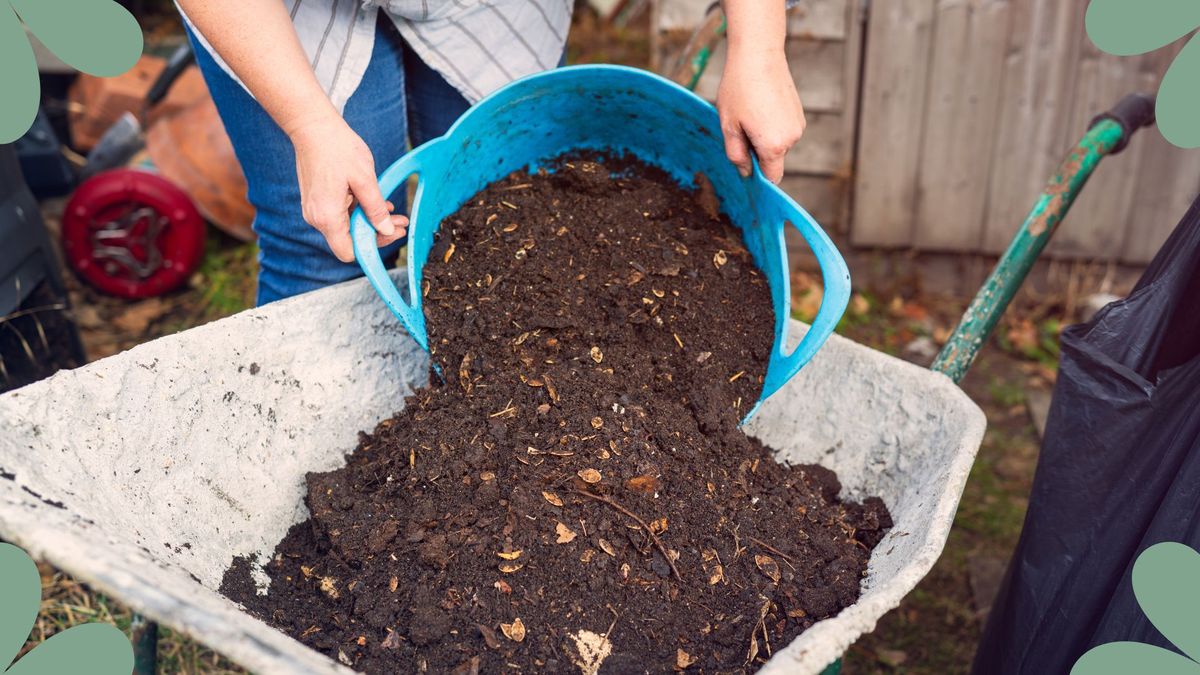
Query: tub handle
[[836, 279], [363, 233]]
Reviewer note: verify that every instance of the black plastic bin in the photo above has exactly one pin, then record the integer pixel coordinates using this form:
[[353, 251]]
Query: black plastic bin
[[38, 336]]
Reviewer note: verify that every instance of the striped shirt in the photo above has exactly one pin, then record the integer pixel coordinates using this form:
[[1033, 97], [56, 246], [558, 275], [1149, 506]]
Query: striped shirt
[[478, 46]]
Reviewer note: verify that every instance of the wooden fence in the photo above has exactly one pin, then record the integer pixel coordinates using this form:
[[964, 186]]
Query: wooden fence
[[933, 124]]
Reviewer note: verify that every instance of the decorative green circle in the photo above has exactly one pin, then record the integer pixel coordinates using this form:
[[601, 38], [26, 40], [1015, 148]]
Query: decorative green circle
[[98, 37], [1128, 27]]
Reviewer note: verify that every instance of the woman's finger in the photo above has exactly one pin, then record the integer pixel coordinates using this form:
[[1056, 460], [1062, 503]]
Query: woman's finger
[[334, 224], [374, 206], [770, 161], [737, 148], [401, 225]]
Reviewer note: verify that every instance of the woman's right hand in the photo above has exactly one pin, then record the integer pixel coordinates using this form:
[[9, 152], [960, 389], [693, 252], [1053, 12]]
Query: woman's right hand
[[336, 173]]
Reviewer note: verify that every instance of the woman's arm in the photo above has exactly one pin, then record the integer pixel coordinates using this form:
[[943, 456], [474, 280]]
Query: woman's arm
[[335, 167], [757, 100]]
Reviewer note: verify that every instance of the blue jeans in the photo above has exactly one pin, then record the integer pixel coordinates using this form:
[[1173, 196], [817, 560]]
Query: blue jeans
[[400, 100]]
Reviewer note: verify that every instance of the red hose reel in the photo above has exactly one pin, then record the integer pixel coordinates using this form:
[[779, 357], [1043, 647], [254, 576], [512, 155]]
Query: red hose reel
[[132, 233]]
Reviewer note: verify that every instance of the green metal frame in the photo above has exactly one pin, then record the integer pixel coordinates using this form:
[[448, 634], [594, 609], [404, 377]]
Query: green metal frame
[[699, 61], [993, 298]]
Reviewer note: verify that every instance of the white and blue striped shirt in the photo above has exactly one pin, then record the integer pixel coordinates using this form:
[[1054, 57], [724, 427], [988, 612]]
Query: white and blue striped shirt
[[477, 45]]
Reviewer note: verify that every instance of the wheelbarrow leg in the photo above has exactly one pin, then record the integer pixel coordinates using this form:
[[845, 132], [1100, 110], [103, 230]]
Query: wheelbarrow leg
[[1108, 135], [144, 635]]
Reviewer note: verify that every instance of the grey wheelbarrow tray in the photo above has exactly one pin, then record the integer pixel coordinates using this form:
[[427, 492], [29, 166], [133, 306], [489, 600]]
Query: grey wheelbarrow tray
[[145, 473]]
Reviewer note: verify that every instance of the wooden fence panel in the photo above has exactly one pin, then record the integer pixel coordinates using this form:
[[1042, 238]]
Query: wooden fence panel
[[969, 44], [895, 82], [969, 106]]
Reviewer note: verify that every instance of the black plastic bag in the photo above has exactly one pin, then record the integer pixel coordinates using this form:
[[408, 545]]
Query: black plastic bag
[[1119, 471]]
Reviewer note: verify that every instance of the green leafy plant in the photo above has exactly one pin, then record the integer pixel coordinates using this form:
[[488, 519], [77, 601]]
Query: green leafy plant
[[1166, 583], [1128, 27], [98, 37]]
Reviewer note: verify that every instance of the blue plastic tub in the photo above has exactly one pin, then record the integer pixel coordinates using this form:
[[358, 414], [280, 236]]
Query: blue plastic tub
[[613, 109]]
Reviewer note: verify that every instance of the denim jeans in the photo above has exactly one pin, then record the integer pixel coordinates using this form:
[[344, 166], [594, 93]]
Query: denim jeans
[[400, 100]]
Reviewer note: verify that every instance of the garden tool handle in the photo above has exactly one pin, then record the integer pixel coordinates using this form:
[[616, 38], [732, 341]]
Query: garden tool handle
[[835, 277], [367, 253], [178, 62]]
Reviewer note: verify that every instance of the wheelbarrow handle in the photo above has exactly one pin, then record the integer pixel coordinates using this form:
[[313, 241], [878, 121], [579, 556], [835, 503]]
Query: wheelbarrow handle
[[366, 251], [1108, 134]]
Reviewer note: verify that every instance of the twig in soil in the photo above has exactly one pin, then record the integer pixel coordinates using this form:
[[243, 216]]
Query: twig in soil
[[508, 410], [737, 544], [611, 626], [772, 549], [657, 542]]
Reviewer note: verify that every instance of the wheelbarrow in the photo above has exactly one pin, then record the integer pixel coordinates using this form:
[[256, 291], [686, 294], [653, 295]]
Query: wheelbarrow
[[187, 451]]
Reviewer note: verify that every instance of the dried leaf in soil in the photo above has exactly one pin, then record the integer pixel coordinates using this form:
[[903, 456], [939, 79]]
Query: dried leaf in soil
[[565, 534], [767, 565], [552, 498], [645, 484], [489, 636], [590, 476], [514, 631], [713, 569]]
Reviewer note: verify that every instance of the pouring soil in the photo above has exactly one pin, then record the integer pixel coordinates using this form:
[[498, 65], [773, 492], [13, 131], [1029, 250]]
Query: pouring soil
[[576, 495]]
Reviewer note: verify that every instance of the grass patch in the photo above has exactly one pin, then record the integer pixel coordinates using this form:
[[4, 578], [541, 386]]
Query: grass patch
[[227, 276]]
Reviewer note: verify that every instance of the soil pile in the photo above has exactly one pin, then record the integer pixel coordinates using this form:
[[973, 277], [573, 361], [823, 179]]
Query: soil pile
[[576, 496]]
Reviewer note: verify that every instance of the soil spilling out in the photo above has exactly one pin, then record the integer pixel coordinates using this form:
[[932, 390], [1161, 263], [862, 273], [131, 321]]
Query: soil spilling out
[[576, 496]]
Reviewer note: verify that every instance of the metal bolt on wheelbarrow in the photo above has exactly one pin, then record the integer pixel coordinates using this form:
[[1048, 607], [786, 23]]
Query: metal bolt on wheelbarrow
[[542, 116]]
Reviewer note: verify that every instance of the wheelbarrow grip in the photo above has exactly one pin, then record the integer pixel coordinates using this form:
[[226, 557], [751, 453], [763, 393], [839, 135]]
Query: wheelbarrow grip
[[366, 252], [835, 276], [1132, 112]]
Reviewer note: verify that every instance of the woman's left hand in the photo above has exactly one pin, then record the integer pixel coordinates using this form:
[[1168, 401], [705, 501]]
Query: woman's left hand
[[760, 108]]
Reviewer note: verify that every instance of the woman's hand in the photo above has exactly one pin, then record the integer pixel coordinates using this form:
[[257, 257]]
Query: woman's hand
[[760, 108], [335, 167], [336, 172]]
